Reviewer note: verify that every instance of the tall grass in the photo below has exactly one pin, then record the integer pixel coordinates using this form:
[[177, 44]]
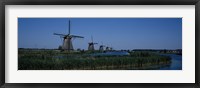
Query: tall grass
[[46, 60]]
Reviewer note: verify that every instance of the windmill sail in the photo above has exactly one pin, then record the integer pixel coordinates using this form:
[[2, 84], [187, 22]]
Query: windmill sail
[[75, 36], [67, 42], [59, 34], [69, 28]]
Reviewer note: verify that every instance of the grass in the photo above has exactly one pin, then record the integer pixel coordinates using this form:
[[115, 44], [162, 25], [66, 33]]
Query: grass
[[47, 60]]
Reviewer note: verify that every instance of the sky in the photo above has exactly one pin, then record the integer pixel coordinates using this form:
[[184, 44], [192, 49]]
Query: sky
[[119, 33]]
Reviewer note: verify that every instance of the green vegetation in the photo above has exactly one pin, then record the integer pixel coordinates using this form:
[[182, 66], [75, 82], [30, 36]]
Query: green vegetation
[[55, 60]]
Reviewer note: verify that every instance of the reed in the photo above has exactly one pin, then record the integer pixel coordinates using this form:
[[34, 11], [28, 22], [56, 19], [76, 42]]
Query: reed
[[47, 60]]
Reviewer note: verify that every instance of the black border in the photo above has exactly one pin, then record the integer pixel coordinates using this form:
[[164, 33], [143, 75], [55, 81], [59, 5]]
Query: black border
[[99, 2]]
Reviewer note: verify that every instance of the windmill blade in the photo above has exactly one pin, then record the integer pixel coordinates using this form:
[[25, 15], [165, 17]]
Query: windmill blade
[[69, 28], [92, 38], [61, 39], [75, 36], [59, 34]]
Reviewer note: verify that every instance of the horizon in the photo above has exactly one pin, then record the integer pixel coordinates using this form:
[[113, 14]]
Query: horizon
[[119, 33]]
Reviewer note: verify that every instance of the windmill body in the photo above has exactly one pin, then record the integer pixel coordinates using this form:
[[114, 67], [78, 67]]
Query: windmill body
[[67, 44], [101, 48], [67, 40], [91, 45]]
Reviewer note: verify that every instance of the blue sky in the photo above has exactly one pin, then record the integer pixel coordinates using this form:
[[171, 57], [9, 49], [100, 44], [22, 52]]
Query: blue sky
[[120, 33]]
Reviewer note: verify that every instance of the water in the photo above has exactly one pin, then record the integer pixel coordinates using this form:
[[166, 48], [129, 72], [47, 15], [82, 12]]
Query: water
[[113, 53], [176, 62]]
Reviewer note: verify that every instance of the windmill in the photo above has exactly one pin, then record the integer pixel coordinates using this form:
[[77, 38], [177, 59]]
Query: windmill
[[109, 48], [101, 47], [91, 45], [67, 39]]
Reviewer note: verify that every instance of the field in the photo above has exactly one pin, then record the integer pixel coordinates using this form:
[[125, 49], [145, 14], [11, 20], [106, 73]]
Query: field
[[29, 59]]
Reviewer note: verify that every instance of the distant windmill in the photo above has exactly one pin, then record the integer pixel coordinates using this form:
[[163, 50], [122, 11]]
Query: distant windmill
[[67, 40], [101, 47], [91, 45], [109, 48]]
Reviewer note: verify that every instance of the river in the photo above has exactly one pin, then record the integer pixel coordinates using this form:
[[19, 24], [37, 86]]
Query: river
[[176, 62]]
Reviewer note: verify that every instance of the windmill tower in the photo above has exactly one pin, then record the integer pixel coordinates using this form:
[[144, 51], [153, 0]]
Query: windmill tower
[[67, 40], [101, 47], [91, 45]]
